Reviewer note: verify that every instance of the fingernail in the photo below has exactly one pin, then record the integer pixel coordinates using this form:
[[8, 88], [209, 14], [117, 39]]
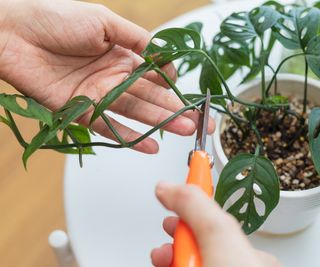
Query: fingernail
[[163, 187]]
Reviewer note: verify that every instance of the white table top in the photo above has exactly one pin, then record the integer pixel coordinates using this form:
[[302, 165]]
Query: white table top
[[113, 217]]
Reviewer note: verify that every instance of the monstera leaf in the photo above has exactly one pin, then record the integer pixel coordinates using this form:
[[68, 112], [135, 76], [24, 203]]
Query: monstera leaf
[[314, 136], [32, 110], [209, 78], [256, 177], [171, 44], [313, 55], [297, 27], [118, 90], [230, 51], [244, 26], [62, 118], [191, 61]]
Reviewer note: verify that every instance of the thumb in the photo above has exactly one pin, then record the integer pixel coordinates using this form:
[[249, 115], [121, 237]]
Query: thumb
[[123, 32], [195, 208]]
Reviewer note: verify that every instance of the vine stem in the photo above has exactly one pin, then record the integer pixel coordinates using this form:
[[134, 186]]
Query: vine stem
[[278, 69], [132, 143], [172, 85], [305, 94], [15, 129]]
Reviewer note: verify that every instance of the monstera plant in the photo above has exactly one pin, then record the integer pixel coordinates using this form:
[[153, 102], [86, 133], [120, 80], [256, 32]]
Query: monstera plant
[[243, 44]]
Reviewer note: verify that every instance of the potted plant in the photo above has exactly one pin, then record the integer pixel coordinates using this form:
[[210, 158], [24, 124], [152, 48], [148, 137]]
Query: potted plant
[[244, 44]]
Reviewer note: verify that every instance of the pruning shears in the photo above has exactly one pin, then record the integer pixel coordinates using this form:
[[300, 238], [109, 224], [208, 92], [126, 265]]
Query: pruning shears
[[185, 248]]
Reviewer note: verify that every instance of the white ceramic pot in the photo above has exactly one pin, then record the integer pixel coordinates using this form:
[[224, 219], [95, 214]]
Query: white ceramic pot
[[296, 209]]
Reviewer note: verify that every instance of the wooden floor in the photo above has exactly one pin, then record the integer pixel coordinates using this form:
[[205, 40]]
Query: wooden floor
[[31, 203]]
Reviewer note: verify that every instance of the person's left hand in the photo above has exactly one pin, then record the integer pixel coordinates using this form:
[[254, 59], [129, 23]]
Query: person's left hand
[[53, 50]]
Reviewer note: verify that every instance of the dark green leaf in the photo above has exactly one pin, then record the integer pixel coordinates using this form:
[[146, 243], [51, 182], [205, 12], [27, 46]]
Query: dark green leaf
[[296, 28], [72, 110], [33, 109], [314, 138], [256, 176], [275, 5], [254, 71], [317, 5], [244, 26], [313, 55], [189, 63], [79, 133], [193, 60], [170, 44], [36, 142], [231, 52], [118, 90], [209, 78], [263, 18], [196, 26]]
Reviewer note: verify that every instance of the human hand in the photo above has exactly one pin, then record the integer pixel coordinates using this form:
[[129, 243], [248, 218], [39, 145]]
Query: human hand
[[55, 50], [220, 239]]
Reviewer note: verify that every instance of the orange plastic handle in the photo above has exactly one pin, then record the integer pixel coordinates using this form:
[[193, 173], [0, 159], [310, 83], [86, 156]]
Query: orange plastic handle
[[185, 249]]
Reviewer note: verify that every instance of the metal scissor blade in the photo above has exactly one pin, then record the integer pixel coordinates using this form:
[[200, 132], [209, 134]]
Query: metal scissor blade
[[203, 124]]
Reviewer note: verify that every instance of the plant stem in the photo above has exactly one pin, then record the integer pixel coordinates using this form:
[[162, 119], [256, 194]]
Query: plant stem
[[113, 130], [172, 85], [15, 129], [263, 74], [128, 144], [259, 138], [305, 95], [80, 148], [160, 125], [278, 69], [234, 118]]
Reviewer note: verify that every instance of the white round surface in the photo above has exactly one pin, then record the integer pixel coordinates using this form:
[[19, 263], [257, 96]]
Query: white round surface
[[113, 217]]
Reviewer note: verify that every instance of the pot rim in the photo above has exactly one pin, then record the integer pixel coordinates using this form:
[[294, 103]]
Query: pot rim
[[218, 117]]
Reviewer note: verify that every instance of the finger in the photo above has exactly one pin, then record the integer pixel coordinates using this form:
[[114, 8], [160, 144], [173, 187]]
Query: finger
[[123, 32], [159, 96], [148, 145], [162, 257], [194, 207], [170, 224], [134, 108]]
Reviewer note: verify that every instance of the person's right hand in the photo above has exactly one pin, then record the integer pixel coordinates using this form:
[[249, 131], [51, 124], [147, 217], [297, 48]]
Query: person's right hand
[[220, 239]]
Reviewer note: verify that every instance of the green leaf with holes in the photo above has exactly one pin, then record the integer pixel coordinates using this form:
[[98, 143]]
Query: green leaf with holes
[[245, 26], [193, 60], [257, 178], [171, 44], [106, 101], [32, 110], [313, 55], [231, 52], [209, 78], [297, 27], [314, 137]]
